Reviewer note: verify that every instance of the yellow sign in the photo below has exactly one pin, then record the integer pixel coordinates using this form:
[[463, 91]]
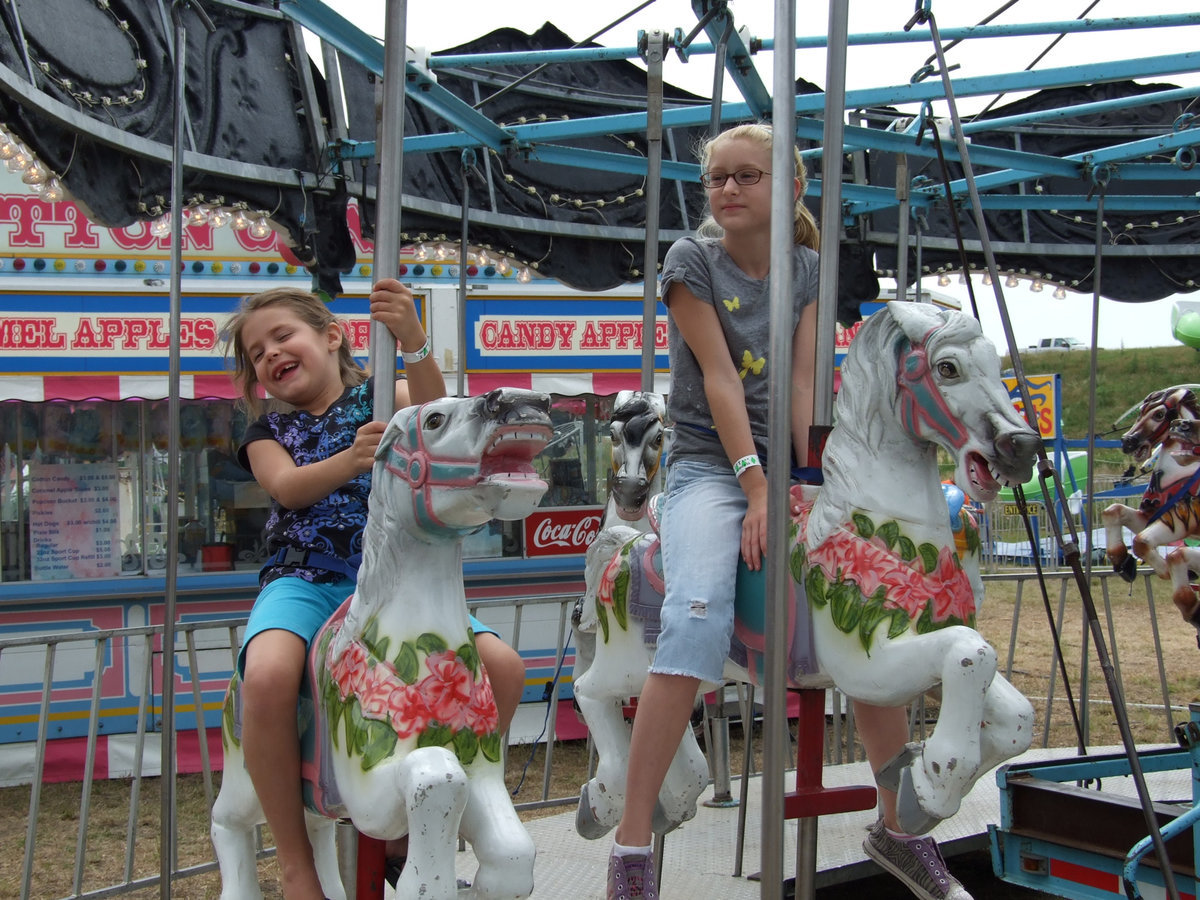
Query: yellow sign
[[1042, 391], [1013, 509]]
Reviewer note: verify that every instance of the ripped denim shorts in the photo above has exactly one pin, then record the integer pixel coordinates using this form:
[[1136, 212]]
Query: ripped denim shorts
[[701, 534]]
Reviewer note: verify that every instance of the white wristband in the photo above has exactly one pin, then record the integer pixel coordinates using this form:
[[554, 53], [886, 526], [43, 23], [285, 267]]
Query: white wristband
[[417, 355], [746, 462]]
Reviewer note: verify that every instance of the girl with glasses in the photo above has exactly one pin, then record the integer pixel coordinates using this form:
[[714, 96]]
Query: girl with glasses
[[716, 289]]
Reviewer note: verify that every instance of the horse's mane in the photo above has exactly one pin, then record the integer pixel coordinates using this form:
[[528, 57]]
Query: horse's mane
[[637, 405], [866, 407]]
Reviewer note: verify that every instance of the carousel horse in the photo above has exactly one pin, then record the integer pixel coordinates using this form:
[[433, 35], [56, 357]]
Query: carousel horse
[[892, 599], [398, 722], [1170, 507], [637, 430]]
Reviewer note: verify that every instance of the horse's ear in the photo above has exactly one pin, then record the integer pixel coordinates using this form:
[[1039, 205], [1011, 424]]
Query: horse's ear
[[394, 429], [916, 320]]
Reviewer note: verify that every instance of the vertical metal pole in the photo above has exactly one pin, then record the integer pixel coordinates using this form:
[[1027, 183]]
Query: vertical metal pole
[[902, 214], [166, 851], [779, 431], [388, 190], [831, 207], [468, 160], [775, 720], [656, 43]]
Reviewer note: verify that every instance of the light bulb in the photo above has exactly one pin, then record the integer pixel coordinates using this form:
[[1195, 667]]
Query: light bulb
[[524, 276], [420, 252], [18, 161], [962, 278], [440, 251], [987, 278], [241, 221], [1036, 285], [219, 216], [943, 279], [1060, 293], [483, 258], [260, 228], [8, 147], [502, 265], [52, 190], [35, 173], [197, 215], [1011, 280], [161, 226]]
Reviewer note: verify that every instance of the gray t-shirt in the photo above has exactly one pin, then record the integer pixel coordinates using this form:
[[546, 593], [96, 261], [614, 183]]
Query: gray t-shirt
[[743, 308]]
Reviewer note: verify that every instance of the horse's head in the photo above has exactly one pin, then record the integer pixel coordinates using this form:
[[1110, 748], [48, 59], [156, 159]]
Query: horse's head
[[1159, 410], [949, 392], [1184, 437], [637, 431], [449, 466]]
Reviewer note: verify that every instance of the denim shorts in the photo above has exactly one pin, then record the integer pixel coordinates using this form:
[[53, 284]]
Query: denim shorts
[[701, 534], [302, 607]]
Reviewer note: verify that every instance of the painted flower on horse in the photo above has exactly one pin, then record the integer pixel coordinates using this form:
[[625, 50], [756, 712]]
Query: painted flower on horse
[[906, 584], [441, 696]]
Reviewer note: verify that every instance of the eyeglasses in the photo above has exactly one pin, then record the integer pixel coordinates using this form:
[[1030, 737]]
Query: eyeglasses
[[742, 176]]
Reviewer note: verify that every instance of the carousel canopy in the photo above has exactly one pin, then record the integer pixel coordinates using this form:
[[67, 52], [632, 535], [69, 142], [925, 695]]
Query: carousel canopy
[[547, 141]]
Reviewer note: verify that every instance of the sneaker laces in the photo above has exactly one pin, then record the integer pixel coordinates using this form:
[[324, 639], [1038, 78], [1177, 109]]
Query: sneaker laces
[[927, 852]]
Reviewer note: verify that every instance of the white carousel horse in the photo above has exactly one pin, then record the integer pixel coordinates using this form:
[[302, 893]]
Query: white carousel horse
[[892, 598], [398, 721], [638, 431], [1170, 507]]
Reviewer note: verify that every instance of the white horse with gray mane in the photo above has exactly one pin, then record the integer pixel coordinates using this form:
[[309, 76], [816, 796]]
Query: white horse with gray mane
[[892, 593], [398, 722]]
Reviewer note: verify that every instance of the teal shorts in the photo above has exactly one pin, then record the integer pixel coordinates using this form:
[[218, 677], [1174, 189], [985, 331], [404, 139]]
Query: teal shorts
[[302, 607]]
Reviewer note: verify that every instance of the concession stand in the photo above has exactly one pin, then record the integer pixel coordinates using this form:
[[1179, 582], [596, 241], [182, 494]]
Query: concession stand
[[84, 389]]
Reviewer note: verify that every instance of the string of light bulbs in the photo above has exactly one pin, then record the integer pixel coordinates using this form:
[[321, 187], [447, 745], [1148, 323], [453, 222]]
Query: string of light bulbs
[[20, 160]]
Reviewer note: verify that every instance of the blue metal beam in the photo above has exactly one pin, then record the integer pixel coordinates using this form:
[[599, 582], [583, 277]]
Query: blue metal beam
[[422, 86], [1109, 157], [605, 161], [737, 59], [1019, 29]]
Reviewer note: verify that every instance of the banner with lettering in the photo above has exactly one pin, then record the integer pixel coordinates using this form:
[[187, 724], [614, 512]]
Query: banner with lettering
[[1043, 391], [65, 333], [560, 334]]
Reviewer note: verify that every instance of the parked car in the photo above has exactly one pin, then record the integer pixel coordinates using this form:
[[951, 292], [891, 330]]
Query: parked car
[[1057, 343]]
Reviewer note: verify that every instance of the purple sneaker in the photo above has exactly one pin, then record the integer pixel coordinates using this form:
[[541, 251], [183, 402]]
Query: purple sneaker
[[917, 862], [632, 877]]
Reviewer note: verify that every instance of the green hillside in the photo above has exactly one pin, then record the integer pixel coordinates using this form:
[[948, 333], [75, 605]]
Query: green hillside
[[1123, 379]]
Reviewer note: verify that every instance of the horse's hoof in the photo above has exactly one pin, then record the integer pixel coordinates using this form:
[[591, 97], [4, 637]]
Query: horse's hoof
[[660, 822], [1127, 569], [587, 826], [889, 773], [910, 815]]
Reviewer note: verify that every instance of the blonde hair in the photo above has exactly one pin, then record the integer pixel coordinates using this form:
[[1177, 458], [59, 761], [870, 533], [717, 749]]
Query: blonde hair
[[804, 229], [311, 310]]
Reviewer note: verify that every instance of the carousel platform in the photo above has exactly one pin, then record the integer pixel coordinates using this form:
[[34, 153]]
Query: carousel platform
[[699, 856]]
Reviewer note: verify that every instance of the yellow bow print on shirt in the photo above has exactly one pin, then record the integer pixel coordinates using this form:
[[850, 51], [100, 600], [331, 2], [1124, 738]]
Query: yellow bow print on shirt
[[750, 364]]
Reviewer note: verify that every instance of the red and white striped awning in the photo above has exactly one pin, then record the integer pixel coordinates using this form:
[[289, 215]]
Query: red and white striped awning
[[38, 388]]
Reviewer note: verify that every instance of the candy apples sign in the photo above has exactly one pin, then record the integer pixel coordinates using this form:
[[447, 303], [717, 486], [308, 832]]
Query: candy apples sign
[[560, 532]]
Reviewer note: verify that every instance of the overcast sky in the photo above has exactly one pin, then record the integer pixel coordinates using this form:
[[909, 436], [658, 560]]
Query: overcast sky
[[439, 25]]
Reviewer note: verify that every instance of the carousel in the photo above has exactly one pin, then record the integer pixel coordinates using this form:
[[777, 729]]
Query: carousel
[[530, 185]]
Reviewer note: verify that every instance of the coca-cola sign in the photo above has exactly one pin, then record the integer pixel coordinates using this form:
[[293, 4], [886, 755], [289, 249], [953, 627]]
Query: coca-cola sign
[[558, 532]]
